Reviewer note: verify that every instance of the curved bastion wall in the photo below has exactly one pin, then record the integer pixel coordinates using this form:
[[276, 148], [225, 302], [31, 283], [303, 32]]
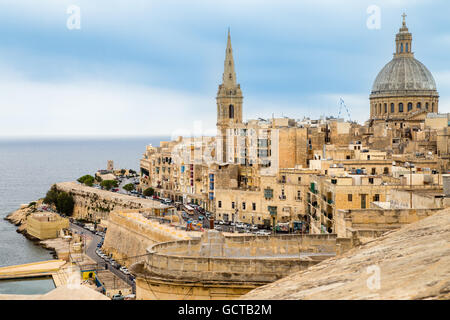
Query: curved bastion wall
[[219, 267], [129, 235]]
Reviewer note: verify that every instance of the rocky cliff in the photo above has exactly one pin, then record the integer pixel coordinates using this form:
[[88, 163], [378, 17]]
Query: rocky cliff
[[410, 263], [19, 217]]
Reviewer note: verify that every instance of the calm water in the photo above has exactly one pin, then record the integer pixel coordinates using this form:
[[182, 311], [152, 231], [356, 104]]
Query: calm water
[[27, 286], [29, 168]]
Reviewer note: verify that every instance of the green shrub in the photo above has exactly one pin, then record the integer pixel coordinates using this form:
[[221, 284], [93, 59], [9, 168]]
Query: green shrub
[[129, 187], [87, 180], [149, 192], [109, 184]]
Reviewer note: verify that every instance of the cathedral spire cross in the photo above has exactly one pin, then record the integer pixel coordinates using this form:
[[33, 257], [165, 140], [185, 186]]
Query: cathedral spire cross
[[404, 19]]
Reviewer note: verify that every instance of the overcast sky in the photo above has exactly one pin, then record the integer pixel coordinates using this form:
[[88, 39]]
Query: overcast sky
[[141, 68]]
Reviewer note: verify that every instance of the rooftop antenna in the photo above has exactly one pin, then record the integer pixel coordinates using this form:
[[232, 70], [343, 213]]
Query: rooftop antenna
[[342, 103]]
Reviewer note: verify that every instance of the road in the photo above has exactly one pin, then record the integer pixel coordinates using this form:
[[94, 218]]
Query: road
[[90, 252]]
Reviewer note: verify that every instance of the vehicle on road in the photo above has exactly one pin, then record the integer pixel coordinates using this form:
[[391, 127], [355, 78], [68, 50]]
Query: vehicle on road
[[118, 297]]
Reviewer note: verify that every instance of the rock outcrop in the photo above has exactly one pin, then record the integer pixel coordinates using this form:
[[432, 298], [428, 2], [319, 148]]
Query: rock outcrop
[[19, 217], [410, 263]]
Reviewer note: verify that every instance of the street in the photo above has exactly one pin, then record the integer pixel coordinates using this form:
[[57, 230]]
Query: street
[[90, 252]]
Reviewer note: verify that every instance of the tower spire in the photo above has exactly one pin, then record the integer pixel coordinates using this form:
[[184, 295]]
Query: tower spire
[[229, 75]]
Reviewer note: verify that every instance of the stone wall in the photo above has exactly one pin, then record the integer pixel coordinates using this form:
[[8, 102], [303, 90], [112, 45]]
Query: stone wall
[[95, 204], [127, 236], [373, 222]]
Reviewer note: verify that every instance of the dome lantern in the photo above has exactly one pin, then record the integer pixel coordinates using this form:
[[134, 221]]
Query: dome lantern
[[403, 41]]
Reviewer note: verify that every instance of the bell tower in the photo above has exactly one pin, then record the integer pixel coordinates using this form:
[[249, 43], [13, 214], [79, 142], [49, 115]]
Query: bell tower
[[229, 96], [229, 105]]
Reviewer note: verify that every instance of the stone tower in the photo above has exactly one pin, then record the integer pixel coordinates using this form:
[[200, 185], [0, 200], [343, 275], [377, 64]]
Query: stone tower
[[229, 102]]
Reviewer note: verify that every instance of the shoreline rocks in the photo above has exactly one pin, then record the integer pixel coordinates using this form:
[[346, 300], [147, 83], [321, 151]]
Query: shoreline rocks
[[19, 219]]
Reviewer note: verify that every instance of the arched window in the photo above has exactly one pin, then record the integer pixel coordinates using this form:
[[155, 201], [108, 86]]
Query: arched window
[[406, 50], [419, 105], [426, 105], [385, 108], [379, 108], [432, 107], [392, 108], [401, 47], [231, 111], [400, 107], [409, 106]]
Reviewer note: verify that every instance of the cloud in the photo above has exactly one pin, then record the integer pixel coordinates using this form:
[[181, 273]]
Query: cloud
[[88, 108], [135, 64]]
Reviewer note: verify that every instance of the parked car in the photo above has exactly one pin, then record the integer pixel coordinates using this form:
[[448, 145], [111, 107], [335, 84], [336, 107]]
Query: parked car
[[118, 297]]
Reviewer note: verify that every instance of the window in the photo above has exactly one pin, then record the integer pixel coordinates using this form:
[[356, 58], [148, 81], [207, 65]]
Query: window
[[268, 193], [299, 195], [231, 111], [243, 205], [406, 47], [386, 170], [385, 108], [371, 180], [299, 179], [219, 204], [426, 105], [419, 105], [253, 206], [400, 107], [401, 47], [350, 197], [232, 205], [374, 171], [409, 106], [392, 108], [376, 197]]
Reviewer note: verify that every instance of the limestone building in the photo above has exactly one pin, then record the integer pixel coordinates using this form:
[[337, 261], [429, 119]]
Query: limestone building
[[267, 172]]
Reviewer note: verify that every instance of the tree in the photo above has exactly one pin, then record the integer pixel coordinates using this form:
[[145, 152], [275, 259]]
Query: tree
[[149, 192], [87, 180], [51, 196], [62, 201], [129, 187], [65, 203], [108, 184], [132, 172]]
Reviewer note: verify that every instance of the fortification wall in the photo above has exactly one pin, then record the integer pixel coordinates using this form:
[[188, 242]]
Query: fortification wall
[[128, 236], [370, 222], [95, 204]]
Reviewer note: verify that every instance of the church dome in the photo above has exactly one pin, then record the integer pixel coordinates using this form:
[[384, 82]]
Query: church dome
[[404, 73]]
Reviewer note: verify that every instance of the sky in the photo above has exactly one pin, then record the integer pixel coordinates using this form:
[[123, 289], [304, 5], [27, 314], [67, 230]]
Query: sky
[[152, 68]]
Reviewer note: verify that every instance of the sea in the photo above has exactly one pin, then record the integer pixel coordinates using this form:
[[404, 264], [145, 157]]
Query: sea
[[28, 168]]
